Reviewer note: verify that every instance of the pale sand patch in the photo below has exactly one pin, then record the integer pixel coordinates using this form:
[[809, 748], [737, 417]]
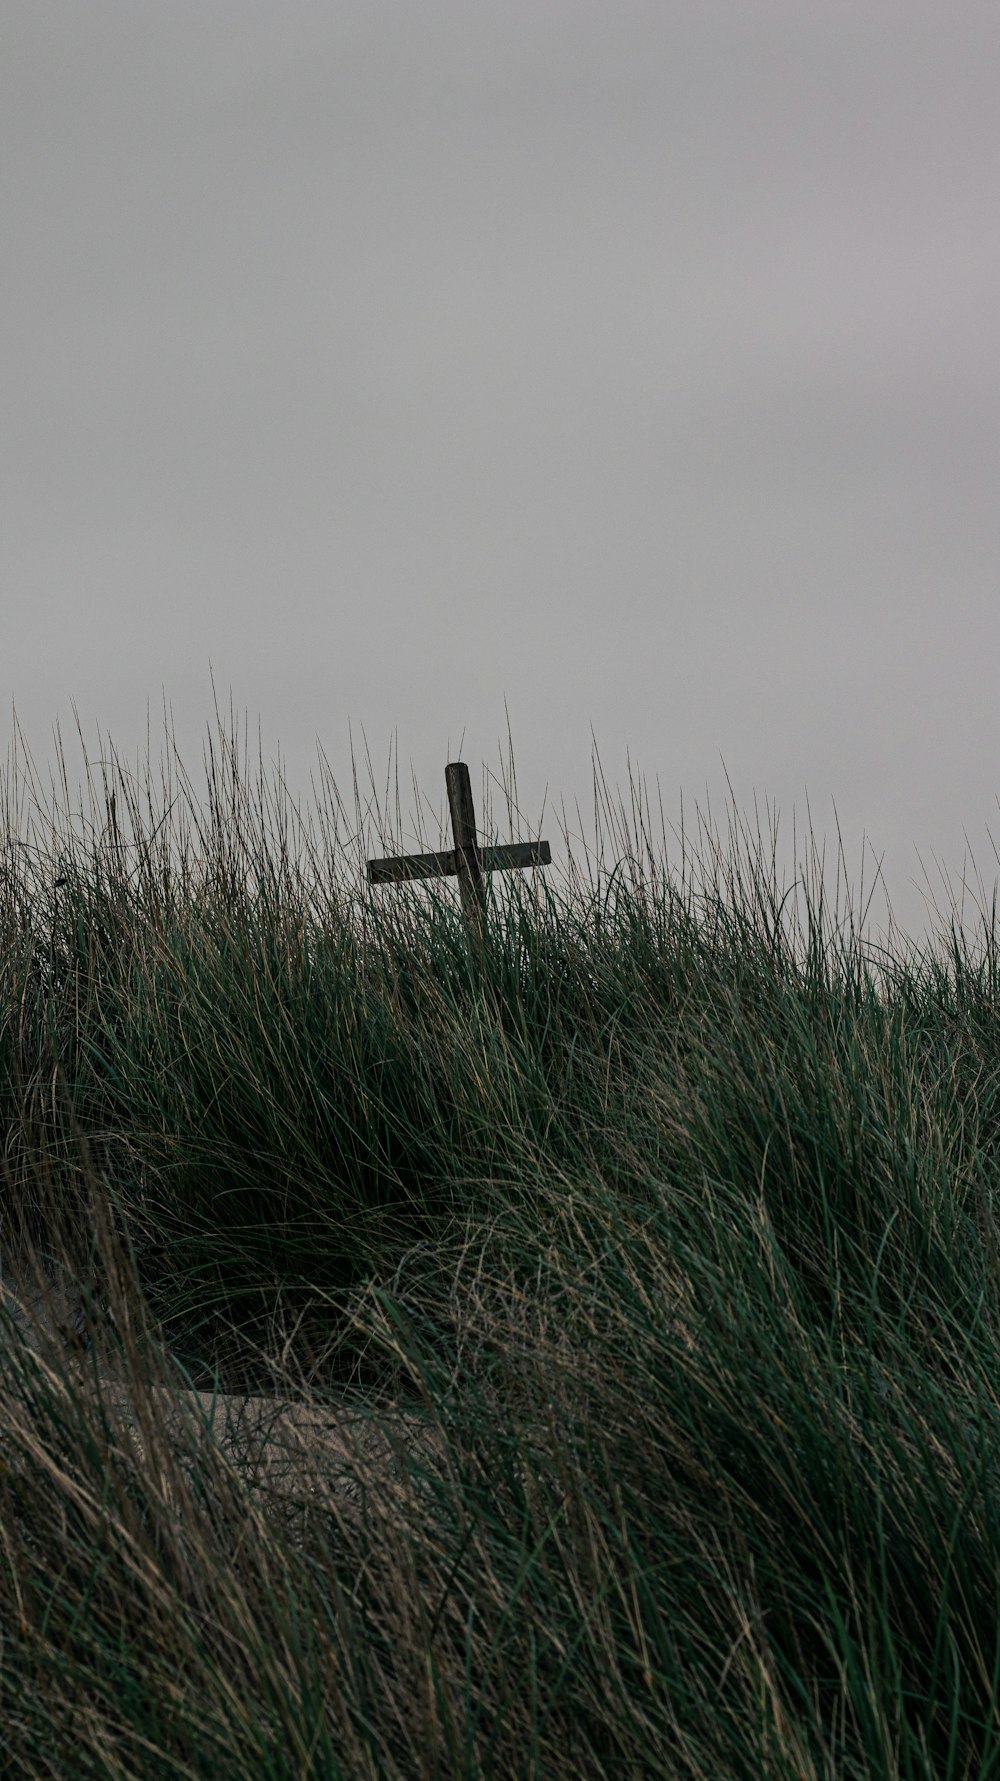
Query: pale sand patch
[[271, 1437], [285, 1426]]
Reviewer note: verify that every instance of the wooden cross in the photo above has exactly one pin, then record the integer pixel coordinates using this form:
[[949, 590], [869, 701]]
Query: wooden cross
[[466, 858]]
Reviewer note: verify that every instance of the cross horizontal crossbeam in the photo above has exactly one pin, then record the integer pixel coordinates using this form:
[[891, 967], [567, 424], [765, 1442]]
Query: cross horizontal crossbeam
[[446, 865]]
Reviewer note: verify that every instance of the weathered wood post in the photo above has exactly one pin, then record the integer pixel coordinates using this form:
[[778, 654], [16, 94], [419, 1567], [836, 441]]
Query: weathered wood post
[[471, 884], [466, 859]]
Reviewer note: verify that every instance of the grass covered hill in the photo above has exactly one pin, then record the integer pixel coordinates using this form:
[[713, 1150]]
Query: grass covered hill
[[653, 1232]]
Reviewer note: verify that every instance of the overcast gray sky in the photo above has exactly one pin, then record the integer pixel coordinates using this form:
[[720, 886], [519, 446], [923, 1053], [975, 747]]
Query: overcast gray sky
[[634, 363]]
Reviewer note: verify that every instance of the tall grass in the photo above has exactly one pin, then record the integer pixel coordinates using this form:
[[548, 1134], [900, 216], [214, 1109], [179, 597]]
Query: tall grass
[[655, 1237]]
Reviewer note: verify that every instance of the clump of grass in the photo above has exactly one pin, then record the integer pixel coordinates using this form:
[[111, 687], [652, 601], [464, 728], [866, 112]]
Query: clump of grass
[[619, 1300]]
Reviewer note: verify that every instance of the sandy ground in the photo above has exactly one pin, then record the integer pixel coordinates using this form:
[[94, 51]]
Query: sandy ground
[[271, 1433]]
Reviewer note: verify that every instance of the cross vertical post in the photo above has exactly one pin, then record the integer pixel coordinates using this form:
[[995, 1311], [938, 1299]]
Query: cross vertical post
[[471, 884]]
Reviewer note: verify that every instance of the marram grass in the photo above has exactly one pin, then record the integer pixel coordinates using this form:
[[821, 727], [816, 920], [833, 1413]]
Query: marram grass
[[659, 1250]]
